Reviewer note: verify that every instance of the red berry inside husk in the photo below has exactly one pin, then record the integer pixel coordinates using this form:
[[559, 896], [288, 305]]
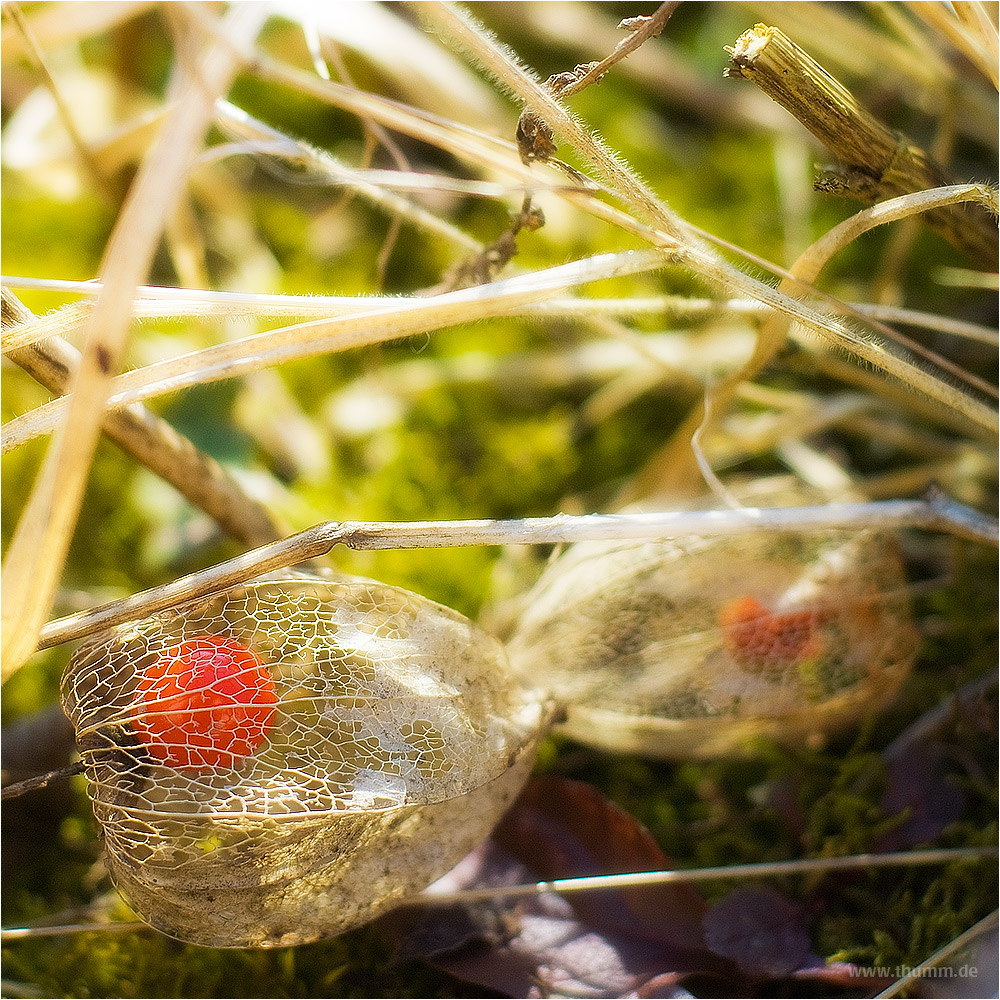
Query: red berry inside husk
[[205, 703], [761, 640]]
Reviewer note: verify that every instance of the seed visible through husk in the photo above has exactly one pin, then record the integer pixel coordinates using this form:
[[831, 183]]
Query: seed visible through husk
[[695, 647]]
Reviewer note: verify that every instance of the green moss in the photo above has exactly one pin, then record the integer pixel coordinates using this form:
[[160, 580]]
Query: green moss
[[47, 237], [149, 965]]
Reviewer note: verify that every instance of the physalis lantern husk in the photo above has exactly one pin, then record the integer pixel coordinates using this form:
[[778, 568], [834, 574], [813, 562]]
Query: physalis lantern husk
[[288, 759], [695, 647]]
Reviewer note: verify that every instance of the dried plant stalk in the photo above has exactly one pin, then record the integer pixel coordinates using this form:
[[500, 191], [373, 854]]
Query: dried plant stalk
[[879, 163], [937, 513]]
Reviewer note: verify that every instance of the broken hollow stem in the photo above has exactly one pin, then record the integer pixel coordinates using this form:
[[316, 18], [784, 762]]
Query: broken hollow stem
[[878, 163], [934, 513]]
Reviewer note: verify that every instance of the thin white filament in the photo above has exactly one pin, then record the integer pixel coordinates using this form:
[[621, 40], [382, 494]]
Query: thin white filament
[[567, 886], [767, 869]]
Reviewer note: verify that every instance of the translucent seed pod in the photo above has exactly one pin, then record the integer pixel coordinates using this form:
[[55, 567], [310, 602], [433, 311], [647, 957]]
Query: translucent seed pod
[[695, 647], [286, 760]]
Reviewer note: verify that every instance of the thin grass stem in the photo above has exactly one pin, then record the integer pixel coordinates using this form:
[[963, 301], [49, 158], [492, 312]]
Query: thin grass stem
[[801, 866]]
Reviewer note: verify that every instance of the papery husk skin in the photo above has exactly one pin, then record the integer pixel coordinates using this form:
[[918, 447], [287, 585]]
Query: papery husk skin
[[400, 738], [628, 636]]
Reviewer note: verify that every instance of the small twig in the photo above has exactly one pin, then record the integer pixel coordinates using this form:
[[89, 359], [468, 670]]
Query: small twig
[[16, 788], [469, 35], [878, 162], [643, 28], [484, 266], [534, 135]]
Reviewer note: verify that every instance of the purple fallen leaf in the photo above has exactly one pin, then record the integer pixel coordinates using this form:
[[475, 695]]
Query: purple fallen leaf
[[538, 947], [918, 763], [759, 929], [917, 784], [632, 943], [566, 829]]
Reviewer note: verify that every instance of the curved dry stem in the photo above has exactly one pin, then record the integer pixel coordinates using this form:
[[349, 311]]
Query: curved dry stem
[[815, 258], [671, 465]]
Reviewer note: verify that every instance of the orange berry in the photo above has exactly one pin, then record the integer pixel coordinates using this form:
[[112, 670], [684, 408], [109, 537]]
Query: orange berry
[[761, 640], [205, 703]]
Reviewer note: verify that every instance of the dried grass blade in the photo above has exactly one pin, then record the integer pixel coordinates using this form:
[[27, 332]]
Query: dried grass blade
[[162, 302], [401, 318], [152, 441], [35, 557], [936, 513]]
